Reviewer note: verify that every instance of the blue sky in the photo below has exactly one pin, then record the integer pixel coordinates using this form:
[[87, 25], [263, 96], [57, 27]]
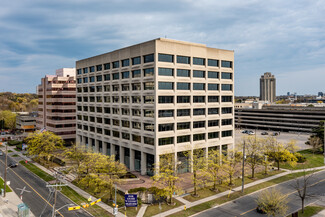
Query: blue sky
[[286, 38]]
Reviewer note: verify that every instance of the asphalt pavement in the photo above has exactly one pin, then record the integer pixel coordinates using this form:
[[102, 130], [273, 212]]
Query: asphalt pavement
[[246, 205], [36, 195]]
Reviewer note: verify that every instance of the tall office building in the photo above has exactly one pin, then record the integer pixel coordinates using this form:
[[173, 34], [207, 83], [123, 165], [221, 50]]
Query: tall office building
[[158, 97], [57, 104], [267, 87]]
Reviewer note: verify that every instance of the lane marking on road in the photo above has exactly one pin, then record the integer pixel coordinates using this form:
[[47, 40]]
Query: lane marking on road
[[286, 195], [32, 188]]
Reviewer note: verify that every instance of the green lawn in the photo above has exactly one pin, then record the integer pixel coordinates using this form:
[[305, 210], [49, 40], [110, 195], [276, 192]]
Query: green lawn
[[310, 211], [15, 155], [9, 151], [154, 209], [313, 160], [7, 187], [234, 195], [43, 175], [206, 192], [69, 192]]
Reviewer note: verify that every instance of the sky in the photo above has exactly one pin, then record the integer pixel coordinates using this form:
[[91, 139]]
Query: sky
[[286, 38]]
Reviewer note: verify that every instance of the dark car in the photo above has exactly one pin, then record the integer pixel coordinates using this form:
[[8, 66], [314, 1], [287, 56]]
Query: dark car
[[12, 164], [275, 134], [264, 133]]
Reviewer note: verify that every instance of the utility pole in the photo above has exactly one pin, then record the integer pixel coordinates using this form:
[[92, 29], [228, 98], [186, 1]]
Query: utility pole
[[324, 142], [55, 186], [243, 170], [5, 175]]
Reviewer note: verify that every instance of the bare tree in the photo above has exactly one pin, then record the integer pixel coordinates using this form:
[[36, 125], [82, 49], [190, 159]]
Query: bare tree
[[301, 185], [315, 143]]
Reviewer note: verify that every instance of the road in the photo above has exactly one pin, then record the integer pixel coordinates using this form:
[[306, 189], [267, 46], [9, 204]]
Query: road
[[38, 195], [246, 206]]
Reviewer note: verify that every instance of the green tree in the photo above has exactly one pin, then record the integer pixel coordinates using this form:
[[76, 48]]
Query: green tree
[[199, 165], [100, 171], [44, 144], [254, 151], [272, 202], [315, 143], [9, 119], [319, 132], [77, 154], [166, 177], [280, 152], [231, 163], [214, 167]]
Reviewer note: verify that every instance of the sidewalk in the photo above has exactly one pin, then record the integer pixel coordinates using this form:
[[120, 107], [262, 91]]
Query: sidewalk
[[9, 205], [75, 188], [191, 204]]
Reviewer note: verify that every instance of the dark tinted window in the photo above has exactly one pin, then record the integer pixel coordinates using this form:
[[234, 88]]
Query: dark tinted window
[[166, 86], [183, 86], [166, 71], [226, 64], [198, 61], [107, 66], [136, 60], [148, 58], [183, 73], [125, 62], [226, 87], [165, 58], [213, 86], [212, 62], [183, 59], [226, 75], [212, 74], [198, 86], [198, 74], [183, 99], [116, 64], [166, 99]]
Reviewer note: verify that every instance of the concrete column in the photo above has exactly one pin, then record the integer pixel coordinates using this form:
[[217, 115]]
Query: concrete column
[[105, 148], [143, 163], [122, 155], [131, 159], [96, 146], [156, 163]]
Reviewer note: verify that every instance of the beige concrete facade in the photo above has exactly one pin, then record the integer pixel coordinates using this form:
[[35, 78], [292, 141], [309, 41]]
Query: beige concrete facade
[[180, 99], [57, 104]]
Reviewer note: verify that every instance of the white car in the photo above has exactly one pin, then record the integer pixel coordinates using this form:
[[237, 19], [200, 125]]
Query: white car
[[251, 133]]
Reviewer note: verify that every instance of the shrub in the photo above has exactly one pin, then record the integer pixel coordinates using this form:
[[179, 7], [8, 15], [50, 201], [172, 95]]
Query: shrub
[[14, 142], [135, 190], [19, 147], [300, 158]]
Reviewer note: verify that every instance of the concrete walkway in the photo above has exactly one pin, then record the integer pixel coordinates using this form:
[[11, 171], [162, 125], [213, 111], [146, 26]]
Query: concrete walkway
[[9, 205], [191, 204]]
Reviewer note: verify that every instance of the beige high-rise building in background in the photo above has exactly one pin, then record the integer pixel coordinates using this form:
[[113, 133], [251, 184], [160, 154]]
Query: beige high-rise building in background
[[158, 97], [267, 87], [57, 104]]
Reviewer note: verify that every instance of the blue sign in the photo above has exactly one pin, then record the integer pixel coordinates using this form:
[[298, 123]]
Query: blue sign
[[131, 200]]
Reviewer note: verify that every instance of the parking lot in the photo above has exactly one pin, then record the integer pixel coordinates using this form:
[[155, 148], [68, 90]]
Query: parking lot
[[301, 138]]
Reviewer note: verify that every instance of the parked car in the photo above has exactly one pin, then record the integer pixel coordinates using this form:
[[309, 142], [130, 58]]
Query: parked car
[[12, 164], [275, 134], [1, 153], [244, 131], [264, 133], [251, 133]]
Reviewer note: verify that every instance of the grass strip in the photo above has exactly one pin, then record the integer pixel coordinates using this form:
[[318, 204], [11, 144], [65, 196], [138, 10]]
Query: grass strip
[[310, 211], [8, 189], [212, 203], [312, 160], [155, 210], [67, 191]]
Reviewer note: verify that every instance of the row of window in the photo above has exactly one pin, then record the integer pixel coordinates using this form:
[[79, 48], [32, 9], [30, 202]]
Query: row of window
[[151, 86], [150, 99], [195, 112], [150, 112], [195, 124], [117, 111], [195, 86], [150, 58], [195, 137], [150, 72]]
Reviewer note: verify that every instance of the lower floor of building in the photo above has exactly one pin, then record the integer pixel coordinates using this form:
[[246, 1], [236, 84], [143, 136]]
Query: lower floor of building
[[141, 161]]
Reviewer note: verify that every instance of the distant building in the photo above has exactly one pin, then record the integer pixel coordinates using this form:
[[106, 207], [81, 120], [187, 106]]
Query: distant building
[[57, 104], [288, 93], [286, 117], [267, 87], [321, 94], [26, 122]]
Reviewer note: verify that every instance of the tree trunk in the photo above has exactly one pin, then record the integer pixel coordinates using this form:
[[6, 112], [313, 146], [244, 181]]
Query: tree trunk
[[214, 183], [194, 174], [302, 205], [253, 172], [230, 179], [278, 162]]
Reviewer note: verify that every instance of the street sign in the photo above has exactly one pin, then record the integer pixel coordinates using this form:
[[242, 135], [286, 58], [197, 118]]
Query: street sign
[[73, 208], [96, 201], [131, 200]]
